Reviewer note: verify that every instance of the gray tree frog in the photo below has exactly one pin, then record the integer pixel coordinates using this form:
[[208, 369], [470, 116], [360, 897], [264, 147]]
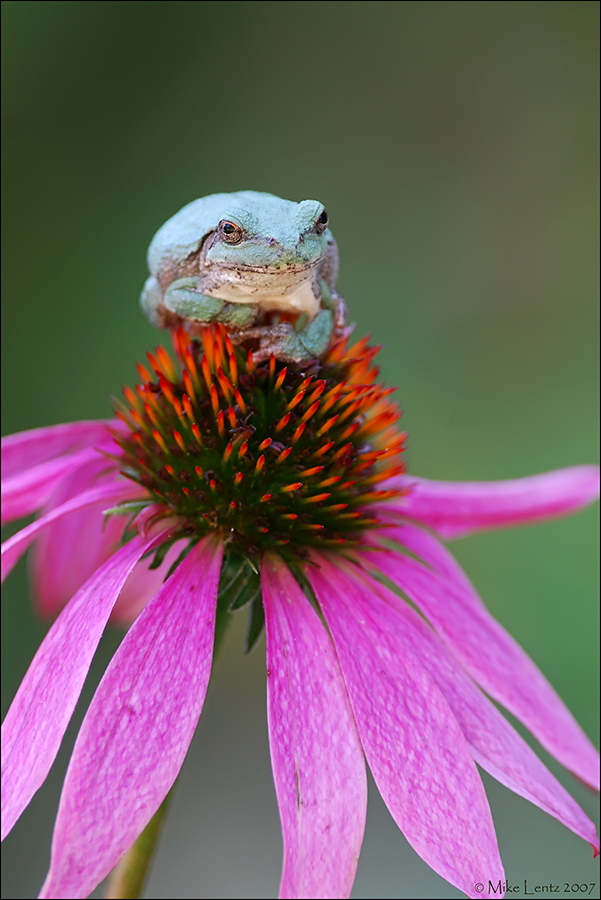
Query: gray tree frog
[[264, 267]]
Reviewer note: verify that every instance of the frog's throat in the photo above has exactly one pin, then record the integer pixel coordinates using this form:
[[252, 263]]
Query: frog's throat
[[272, 292]]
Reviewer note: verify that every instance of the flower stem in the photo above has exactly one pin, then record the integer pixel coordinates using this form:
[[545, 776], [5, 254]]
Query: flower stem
[[127, 878]]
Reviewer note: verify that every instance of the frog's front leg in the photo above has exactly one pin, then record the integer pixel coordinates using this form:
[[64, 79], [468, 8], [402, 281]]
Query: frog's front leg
[[307, 340], [291, 345], [182, 299]]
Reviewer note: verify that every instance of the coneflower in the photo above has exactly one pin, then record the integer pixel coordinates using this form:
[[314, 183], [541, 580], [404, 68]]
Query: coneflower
[[224, 483]]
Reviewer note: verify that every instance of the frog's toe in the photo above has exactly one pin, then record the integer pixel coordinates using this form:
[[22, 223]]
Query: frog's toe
[[317, 334], [238, 315]]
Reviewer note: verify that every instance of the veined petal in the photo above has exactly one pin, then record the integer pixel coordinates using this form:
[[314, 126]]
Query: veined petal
[[36, 721], [496, 746], [415, 748], [492, 658], [455, 509], [25, 449], [142, 584], [137, 731], [69, 550], [15, 546], [429, 548], [28, 491], [316, 754]]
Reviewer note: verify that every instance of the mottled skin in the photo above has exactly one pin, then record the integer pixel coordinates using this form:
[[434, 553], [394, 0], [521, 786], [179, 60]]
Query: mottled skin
[[264, 267]]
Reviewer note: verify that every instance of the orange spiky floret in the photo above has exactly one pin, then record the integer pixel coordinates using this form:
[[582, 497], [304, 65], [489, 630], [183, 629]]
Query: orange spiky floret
[[143, 372], [206, 372], [280, 379], [324, 449], [298, 432], [310, 412], [291, 487], [133, 399], [282, 423], [224, 383], [233, 366], [296, 400], [166, 364], [327, 425], [208, 344], [214, 399], [316, 498], [148, 409]]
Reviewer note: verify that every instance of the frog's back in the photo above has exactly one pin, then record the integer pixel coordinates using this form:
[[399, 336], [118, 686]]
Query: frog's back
[[184, 232]]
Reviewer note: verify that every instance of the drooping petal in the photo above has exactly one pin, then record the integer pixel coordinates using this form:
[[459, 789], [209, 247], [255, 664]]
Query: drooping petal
[[69, 550], [415, 748], [29, 448], [492, 657], [137, 731], [316, 754], [429, 548], [28, 491], [15, 546], [36, 721], [142, 584], [455, 509], [496, 746]]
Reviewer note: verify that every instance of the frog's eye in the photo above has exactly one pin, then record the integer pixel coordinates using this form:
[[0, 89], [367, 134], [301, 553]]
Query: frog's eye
[[322, 222], [230, 232]]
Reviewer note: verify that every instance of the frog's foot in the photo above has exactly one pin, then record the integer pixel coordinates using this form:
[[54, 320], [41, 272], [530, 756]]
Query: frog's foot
[[182, 299], [290, 345]]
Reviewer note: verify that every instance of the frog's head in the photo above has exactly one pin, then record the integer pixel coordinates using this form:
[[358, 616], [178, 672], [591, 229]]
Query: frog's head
[[243, 232]]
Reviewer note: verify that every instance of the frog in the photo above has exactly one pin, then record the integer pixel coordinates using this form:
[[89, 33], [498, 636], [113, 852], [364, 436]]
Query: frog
[[263, 267]]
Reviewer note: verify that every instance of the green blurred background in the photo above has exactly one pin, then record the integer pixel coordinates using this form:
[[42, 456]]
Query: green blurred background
[[454, 145]]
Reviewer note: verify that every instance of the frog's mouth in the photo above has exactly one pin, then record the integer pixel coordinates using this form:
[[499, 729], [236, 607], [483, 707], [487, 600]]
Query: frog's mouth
[[280, 269]]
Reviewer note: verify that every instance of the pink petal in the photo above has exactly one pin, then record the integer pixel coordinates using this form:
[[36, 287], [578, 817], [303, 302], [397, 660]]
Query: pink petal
[[69, 550], [137, 731], [455, 509], [34, 725], [28, 491], [495, 745], [425, 545], [316, 754], [492, 657], [29, 448], [14, 547], [415, 748], [142, 584]]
